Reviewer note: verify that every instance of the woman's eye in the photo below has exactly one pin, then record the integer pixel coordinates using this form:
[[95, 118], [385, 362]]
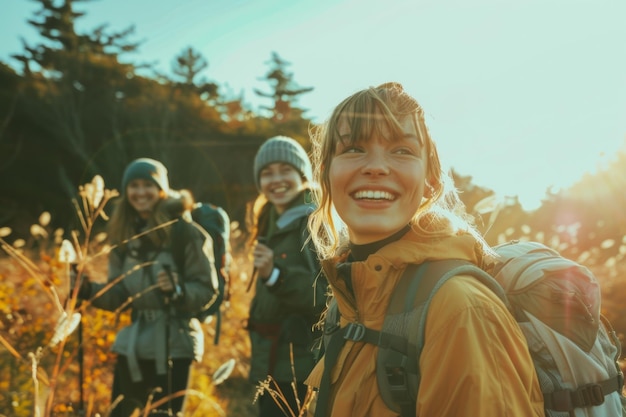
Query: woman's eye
[[350, 149], [404, 151]]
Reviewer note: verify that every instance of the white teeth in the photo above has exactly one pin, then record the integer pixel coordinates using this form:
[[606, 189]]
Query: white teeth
[[373, 195], [279, 190]]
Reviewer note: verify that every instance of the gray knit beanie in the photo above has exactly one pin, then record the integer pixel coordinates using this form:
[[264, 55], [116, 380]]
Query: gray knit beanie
[[282, 149], [147, 169]]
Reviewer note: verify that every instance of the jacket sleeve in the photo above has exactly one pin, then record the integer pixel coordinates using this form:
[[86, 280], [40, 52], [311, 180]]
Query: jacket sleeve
[[115, 296], [200, 278], [475, 360], [302, 286]]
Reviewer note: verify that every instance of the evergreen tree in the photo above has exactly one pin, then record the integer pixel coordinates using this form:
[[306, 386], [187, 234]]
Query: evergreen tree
[[188, 66], [285, 91], [71, 103], [77, 110]]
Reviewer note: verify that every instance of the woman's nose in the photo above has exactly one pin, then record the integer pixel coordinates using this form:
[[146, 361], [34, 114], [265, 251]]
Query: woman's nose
[[376, 163], [275, 177]]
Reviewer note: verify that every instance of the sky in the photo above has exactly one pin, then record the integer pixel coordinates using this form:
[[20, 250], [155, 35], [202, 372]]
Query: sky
[[521, 95]]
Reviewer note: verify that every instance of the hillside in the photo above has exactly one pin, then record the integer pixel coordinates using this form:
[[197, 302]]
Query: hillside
[[584, 223]]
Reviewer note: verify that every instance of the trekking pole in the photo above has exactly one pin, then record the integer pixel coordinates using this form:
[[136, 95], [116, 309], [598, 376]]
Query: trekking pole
[[168, 359], [168, 318], [262, 240]]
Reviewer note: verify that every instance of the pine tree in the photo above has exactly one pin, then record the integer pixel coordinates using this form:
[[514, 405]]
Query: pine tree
[[188, 66], [285, 90], [73, 94]]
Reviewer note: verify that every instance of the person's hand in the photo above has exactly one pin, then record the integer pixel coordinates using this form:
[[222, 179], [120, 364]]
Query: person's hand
[[165, 283], [263, 260]]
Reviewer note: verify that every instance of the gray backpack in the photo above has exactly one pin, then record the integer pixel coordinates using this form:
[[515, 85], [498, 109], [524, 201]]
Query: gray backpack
[[557, 305]]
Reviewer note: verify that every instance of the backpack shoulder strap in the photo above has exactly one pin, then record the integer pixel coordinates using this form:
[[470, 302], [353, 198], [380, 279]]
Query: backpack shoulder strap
[[178, 237], [401, 339], [436, 275], [398, 373]]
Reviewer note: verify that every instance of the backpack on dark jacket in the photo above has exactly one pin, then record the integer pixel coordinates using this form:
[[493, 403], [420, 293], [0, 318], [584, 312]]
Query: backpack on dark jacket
[[555, 301], [215, 221], [212, 221]]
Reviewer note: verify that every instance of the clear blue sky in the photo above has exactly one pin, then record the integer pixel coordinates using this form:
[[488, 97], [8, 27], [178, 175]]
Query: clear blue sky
[[521, 95]]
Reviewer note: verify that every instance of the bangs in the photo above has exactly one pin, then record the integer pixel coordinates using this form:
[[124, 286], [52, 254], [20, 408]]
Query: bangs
[[366, 115]]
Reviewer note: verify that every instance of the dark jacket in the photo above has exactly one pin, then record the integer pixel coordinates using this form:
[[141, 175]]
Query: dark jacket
[[145, 337], [285, 313]]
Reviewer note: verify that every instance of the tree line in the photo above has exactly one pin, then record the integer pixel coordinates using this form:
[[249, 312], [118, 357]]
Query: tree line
[[76, 106]]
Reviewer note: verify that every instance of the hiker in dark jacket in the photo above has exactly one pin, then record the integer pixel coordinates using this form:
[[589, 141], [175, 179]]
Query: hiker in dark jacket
[[157, 298], [289, 294]]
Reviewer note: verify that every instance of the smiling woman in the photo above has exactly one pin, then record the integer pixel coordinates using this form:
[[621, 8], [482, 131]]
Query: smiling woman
[[379, 168], [281, 183], [373, 202], [155, 352], [289, 294]]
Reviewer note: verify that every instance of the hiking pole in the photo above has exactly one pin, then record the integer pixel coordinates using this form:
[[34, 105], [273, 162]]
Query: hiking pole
[[167, 355], [168, 318], [262, 240]]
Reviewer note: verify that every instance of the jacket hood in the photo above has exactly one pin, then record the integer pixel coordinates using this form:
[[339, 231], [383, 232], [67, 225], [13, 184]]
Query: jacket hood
[[177, 203], [413, 249], [373, 279]]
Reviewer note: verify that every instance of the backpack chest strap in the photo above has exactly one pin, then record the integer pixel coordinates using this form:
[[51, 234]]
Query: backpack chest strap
[[586, 396], [357, 332]]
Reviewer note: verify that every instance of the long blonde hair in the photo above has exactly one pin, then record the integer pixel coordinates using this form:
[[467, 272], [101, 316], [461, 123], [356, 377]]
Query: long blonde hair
[[258, 212], [367, 111]]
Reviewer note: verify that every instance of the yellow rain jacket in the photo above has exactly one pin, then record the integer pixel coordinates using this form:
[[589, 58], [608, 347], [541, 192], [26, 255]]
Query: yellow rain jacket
[[475, 361]]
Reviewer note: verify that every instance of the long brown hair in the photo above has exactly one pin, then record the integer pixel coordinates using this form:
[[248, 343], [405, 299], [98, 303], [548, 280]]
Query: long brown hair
[[121, 227]]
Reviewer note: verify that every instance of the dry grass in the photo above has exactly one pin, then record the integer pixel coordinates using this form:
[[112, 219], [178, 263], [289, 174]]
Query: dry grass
[[42, 379], [28, 317], [235, 395]]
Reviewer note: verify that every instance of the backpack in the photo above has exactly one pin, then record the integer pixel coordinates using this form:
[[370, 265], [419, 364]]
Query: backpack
[[215, 221], [556, 303]]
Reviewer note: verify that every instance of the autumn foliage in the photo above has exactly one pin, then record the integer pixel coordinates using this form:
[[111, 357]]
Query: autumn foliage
[[42, 358], [42, 367]]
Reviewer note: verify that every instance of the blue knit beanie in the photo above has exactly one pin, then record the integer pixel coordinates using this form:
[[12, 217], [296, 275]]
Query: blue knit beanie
[[147, 169], [282, 149]]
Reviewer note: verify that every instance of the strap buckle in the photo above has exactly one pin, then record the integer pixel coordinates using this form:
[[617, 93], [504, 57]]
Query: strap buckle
[[354, 332], [566, 400], [590, 395]]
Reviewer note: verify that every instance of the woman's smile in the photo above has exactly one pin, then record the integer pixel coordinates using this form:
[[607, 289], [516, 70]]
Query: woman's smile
[[377, 182]]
